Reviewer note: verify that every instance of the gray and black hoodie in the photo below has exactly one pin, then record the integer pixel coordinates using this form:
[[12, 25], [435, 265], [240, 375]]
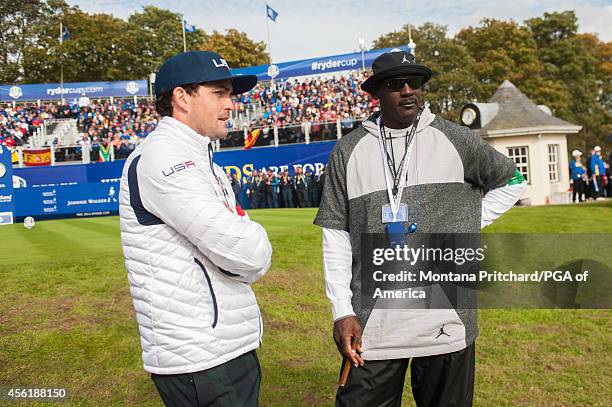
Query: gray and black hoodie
[[449, 171]]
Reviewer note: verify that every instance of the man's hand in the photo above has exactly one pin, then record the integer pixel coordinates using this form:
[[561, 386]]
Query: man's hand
[[347, 334]]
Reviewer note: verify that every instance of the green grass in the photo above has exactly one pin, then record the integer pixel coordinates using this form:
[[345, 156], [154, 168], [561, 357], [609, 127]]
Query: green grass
[[66, 320]]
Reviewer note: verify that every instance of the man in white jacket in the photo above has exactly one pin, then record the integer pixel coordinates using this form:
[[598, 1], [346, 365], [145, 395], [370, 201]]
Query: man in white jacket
[[406, 173], [190, 251]]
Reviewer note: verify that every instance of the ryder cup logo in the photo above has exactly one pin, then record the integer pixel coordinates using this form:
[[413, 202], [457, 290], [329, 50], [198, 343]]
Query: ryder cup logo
[[131, 87], [273, 71], [15, 92]]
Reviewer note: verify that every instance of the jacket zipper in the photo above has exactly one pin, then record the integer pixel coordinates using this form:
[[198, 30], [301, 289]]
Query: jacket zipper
[[260, 327], [212, 292]]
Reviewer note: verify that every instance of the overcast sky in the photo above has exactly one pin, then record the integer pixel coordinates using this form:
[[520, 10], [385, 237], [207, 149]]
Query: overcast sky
[[313, 28]]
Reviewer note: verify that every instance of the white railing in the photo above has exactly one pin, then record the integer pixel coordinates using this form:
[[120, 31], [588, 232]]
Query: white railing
[[64, 130]]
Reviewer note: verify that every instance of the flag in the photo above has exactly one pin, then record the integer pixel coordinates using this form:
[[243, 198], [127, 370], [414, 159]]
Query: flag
[[36, 157], [104, 154], [251, 139], [65, 35], [14, 155], [188, 27], [272, 14]]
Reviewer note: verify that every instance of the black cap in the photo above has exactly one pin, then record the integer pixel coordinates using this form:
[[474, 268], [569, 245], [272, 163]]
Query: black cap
[[199, 66], [394, 63]]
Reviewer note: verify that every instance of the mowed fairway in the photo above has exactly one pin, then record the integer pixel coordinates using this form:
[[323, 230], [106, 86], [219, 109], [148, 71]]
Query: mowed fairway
[[66, 320]]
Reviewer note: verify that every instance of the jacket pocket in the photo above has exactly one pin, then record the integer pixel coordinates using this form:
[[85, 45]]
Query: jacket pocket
[[212, 292]]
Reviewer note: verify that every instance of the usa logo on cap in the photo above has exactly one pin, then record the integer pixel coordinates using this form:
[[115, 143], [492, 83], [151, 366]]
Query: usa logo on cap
[[221, 64]]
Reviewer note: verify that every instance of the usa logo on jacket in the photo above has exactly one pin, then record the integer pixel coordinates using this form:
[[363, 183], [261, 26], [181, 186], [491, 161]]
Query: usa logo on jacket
[[178, 167]]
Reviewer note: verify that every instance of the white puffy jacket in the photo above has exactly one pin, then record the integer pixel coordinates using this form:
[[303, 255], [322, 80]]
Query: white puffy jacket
[[190, 257]]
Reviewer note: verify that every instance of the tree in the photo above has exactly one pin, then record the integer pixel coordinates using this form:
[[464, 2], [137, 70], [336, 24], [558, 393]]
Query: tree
[[19, 27], [160, 36], [100, 47], [504, 50], [236, 48], [602, 52], [553, 27], [582, 65]]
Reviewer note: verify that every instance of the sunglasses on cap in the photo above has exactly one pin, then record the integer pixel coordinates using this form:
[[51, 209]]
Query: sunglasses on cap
[[397, 84]]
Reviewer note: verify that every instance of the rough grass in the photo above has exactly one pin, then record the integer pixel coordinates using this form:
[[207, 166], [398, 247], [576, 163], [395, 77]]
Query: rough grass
[[66, 320]]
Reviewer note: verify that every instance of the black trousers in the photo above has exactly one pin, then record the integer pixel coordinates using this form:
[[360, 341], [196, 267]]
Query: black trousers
[[254, 200], [287, 195], [578, 190], [234, 383], [302, 196], [437, 381]]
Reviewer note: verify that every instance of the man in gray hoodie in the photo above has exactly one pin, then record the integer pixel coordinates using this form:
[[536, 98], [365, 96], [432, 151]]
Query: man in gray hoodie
[[405, 167]]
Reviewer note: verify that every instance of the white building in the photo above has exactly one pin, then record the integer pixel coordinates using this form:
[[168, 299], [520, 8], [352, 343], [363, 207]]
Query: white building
[[531, 136]]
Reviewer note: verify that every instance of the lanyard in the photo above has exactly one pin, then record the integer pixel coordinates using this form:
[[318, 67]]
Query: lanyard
[[396, 197], [391, 158]]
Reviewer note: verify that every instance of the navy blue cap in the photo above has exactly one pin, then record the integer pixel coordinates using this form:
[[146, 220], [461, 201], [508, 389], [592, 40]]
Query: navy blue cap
[[199, 66]]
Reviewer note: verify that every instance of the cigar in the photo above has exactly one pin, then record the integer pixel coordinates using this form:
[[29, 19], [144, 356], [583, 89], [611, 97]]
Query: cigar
[[345, 372]]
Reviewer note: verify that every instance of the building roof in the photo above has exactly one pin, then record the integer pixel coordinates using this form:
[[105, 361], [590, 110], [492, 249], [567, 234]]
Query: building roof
[[517, 112]]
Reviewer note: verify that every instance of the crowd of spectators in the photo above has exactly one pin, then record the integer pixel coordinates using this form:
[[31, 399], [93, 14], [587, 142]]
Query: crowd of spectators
[[18, 124], [295, 101], [268, 189], [123, 122], [591, 179]]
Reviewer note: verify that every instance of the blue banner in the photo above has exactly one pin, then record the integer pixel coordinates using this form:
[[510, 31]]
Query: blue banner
[[310, 156], [73, 90], [6, 186], [67, 201], [315, 66], [104, 171], [60, 175], [63, 175]]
